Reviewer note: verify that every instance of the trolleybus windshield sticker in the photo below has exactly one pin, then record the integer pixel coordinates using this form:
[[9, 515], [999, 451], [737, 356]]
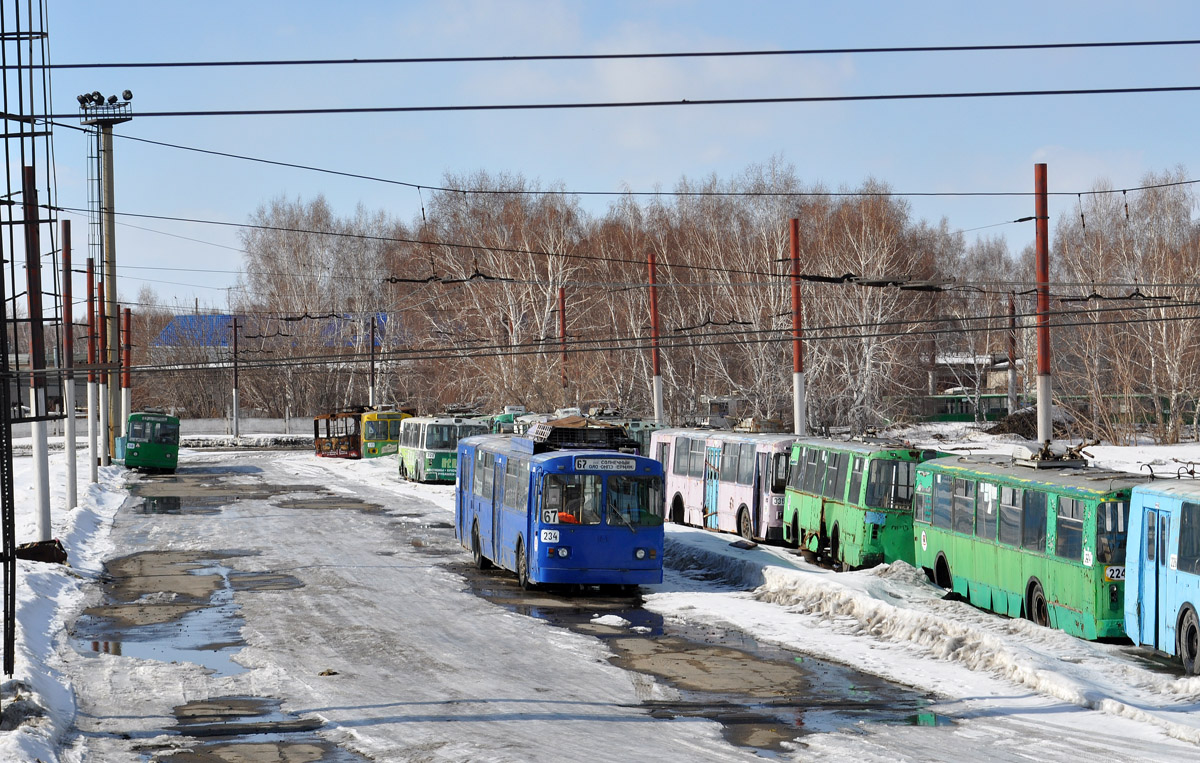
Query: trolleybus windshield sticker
[[602, 464], [1087, 558], [549, 536], [1112, 574]]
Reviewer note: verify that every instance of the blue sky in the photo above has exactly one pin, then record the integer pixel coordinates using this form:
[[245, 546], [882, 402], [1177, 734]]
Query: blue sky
[[953, 145]]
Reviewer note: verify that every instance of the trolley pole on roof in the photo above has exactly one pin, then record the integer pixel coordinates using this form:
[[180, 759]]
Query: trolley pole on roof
[[654, 351], [93, 454], [126, 380], [69, 366], [37, 350], [798, 390], [1045, 421]]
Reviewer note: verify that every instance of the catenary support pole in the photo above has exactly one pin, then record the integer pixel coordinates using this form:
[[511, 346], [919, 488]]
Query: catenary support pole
[[102, 375], [798, 390], [1045, 387], [371, 391], [92, 412], [1012, 354], [69, 368], [235, 377], [654, 349], [126, 379], [37, 351], [562, 333]]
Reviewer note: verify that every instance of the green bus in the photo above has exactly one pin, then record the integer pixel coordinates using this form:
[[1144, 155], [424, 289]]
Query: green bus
[[428, 449], [850, 502], [1040, 540], [152, 442]]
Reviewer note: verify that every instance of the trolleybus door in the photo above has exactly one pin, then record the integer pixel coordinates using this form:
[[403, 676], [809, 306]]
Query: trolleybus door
[[1152, 577], [712, 485], [497, 468]]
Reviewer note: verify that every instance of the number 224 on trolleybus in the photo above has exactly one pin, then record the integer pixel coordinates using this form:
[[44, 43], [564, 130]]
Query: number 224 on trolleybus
[[566, 517]]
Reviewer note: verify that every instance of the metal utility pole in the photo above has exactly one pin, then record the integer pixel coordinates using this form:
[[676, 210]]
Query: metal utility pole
[[1045, 387], [93, 453], [102, 376], [798, 389], [235, 377], [371, 391], [562, 332], [37, 351], [69, 366], [126, 381], [102, 113], [654, 353], [1012, 355]]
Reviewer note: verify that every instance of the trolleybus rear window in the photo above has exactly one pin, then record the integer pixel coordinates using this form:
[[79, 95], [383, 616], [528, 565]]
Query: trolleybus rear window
[[890, 484], [1112, 519]]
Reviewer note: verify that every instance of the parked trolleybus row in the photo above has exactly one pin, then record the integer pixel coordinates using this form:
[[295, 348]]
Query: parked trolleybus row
[[1092, 552]]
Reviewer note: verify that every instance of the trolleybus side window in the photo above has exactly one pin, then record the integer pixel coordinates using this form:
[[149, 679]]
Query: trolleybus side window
[[1033, 524], [1111, 520], [796, 470], [683, 454], [512, 485], [697, 458], [890, 484], [1189, 538], [575, 497], [634, 501], [477, 483], [986, 509], [814, 470], [943, 500], [1010, 516], [745, 475], [1068, 529], [729, 461], [835, 476], [856, 479], [780, 477], [964, 506]]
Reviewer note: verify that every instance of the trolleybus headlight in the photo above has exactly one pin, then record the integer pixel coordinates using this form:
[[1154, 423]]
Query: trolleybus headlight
[[562, 552], [639, 553]]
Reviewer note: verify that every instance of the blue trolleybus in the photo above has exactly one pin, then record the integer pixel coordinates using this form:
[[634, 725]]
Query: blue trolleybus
[[557, 515], [1162, 570]]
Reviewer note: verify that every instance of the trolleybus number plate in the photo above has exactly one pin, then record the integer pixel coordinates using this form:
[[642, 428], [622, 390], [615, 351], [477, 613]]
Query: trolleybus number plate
[[586, 463], [1114, 573], [549, 536]]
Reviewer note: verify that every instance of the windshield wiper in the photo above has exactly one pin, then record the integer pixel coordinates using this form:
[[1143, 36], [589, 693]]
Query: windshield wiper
[[613, 510]]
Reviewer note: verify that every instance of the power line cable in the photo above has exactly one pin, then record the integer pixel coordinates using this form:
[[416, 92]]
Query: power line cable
[[592, 105], [625, 56]]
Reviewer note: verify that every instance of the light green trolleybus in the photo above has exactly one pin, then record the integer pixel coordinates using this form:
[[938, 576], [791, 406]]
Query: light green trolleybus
[[849, 502], [1043, 540], [428, 448]]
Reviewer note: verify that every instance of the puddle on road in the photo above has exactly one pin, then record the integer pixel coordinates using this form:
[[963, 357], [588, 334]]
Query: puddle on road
[[248, 730], [764, 696], [330, 502]]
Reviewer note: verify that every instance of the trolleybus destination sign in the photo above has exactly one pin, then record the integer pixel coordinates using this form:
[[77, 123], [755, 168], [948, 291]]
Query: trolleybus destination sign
[[604, 464]]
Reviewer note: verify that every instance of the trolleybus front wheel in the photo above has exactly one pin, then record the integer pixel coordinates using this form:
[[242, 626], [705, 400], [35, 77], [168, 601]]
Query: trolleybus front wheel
[[1036, 608], [481, 563], [522, 567], [1188, 642]]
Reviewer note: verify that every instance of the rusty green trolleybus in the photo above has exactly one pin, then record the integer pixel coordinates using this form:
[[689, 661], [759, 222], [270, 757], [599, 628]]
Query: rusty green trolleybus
[[1043, 540], [850, 502]]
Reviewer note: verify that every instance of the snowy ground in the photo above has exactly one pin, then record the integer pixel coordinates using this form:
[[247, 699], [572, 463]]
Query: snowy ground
[[1018, 692]]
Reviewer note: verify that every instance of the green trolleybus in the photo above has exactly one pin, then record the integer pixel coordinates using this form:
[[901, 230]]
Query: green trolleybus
[[850, 502], [1040, 540], [428, 446], [152, 443]]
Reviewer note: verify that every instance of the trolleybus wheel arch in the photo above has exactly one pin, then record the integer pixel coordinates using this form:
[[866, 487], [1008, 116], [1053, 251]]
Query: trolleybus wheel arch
[[941, 573], [745, 525], [677, 510], [481, 562], [1036, 609], [1187, 641], [522, 567]]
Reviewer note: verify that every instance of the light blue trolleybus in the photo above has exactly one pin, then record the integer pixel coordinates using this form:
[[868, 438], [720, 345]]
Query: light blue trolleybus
[[559, 507], [1162, 570]]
